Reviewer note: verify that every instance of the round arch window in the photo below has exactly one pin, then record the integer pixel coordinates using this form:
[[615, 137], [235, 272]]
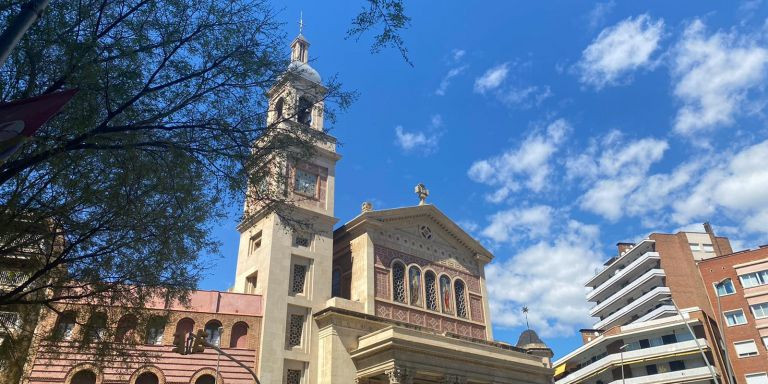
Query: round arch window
[[147, 378], [85, 376], [206, 379]]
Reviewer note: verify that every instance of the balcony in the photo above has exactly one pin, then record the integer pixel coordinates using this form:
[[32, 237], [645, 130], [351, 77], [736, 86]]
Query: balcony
[[685, 376], [9, 322], [646, 354], [625, 259], [640, 306], [649, 280], [647, 261]]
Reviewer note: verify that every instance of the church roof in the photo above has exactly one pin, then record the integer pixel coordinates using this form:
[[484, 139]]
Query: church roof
[[427, 210], [528, 338], [304, 70]]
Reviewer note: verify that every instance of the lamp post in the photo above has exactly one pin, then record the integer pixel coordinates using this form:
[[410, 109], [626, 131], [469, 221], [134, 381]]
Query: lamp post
[[218, 354], [621, 354], [703, 355], [719, 329]]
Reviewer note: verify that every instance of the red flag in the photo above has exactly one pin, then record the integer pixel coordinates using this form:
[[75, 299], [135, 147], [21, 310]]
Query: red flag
[[20, 119]]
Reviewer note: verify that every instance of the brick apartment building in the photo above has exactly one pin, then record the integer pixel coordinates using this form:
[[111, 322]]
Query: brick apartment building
[[737, 285], [638, 336]]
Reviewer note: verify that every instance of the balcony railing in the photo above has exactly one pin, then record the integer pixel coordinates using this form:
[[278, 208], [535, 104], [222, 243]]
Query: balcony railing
[[9, 322], [645, 354], [648, 257], [652, 298], [685, 375], [646, 277]]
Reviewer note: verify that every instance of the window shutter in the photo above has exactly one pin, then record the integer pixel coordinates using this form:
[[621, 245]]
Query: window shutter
[[746, 348]]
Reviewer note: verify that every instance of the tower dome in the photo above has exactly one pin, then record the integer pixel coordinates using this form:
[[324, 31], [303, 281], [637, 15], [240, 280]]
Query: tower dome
[[304, 70], [532, 344]]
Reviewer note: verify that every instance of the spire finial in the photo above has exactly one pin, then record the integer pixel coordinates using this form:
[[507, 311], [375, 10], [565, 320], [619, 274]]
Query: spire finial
[[525, 313], [422, 191], [301, 22]]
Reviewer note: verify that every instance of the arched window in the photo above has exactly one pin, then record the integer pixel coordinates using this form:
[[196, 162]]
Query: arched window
[[206, 379], [213, 329], [305, 111], [414, 285], [65, 325], [239, 337], [279, 106], [336, 282], [445, 294], [461, 304], [96, 327], [86, 376], [126, 327], [431, 291], [185, 326], [398, 282], [155, 330], [147, 378]]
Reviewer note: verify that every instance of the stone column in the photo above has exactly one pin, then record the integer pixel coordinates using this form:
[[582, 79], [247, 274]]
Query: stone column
[[399, 375]]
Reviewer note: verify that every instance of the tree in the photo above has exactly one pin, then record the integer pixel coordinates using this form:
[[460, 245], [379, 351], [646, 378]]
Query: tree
[[111, 202]]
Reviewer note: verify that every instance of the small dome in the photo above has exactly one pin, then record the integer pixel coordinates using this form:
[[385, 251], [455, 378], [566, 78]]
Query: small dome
[[305, 71], [529, 339]]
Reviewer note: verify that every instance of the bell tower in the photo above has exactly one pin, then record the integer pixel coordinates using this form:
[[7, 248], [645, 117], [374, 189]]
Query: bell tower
[[287, 257]]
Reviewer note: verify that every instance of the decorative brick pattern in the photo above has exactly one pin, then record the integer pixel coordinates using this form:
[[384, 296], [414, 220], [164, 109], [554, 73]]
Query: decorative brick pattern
[[295, 329], [384, 257], [436, 322], [293, 376], [476, 307], [382, 283], [299, 275]]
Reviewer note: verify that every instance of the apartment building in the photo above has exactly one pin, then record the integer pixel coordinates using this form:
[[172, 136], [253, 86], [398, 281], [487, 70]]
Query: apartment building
[[653, 319], [737, 284]]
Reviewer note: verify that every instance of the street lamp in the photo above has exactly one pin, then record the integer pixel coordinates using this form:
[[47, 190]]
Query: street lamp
[[706, 361], [720, 328], [621, 354]]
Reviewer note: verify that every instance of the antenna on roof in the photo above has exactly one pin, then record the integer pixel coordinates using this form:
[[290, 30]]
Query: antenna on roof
[[301, 22]]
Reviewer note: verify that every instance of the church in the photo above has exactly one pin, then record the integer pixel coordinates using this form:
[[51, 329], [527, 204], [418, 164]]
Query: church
[[391, 296]]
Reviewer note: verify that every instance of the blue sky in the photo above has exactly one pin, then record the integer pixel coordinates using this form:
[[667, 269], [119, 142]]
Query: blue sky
[[550, 130]]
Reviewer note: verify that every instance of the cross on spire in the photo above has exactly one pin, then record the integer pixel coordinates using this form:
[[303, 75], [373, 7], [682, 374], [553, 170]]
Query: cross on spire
[[525, 313], [301, 22]]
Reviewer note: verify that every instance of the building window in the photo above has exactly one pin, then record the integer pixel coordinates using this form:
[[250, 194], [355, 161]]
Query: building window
[[445, 294], [765, 341], [126, 327], [239, 338], [414, 285], [97, 327], [398, 282], [461, 305], [185, 326], [759, 310], [305, 111], [745, 348], [725, 288], [65, 325], [676, 365], [295, 328], [213, 330], [757, 378], [735, 317], [255, 241], [431, 291], [305, 183], [336, 282], [147, 378], [301, 240], [206, 379], [695, 247], [669, 339], [279, 105], [754, 279], [651, 369], [708, 248], [293, 376], [299, 277], [155, 330], [85, 376], [250, 283]]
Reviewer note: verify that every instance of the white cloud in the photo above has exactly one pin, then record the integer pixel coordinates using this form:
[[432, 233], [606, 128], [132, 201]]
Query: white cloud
[[714, 75], [620, 49], [736, 187], [597, 15], [540, 268], [512, 223], [529, 162], [492, 78], [526, 97], [453, 72], [458, 54], [614, 174]]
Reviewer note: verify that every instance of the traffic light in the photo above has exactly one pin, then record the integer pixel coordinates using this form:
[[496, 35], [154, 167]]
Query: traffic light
[[198, 346], [180, 343]]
